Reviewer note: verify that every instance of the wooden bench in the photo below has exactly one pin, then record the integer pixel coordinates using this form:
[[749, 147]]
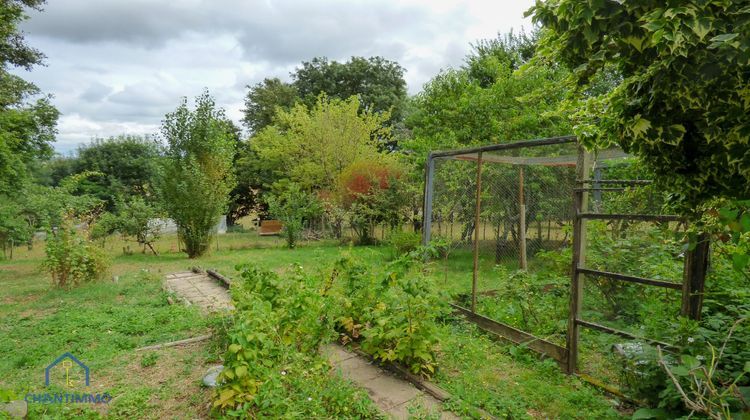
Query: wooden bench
[[270, 227]]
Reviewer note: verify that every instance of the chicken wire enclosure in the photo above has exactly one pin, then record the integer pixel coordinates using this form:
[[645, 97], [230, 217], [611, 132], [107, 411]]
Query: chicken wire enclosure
[[524, 201], [549, 246]]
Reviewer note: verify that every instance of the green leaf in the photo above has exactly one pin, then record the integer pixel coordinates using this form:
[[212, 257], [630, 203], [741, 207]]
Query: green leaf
[[701, 27], [728, 213], [650, 413], [724, 38], [234, 348], [240, 371], [636, 42], [740, 260], [690, 361], [747, 366], [681, 370], [640, 125], [745, 222]]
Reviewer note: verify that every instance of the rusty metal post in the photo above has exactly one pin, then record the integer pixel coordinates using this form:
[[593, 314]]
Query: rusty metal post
[[476, 235], [694, 278], [521, 221]]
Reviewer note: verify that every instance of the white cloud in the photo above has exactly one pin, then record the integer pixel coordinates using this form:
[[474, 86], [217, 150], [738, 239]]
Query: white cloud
[[118, 66]]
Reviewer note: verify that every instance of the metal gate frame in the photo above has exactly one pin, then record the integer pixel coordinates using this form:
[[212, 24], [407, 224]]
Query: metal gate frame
[[694, 272]]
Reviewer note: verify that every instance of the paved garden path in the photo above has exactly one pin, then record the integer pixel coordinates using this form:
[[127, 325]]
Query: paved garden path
[[392, 395], [199, 289]]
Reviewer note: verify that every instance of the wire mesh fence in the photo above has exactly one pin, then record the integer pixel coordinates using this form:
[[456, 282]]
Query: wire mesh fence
[[518, 222]]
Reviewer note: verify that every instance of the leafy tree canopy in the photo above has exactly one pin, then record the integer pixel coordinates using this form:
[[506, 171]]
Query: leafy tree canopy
[[683, 101], [493, 98], [378, 82], [313, 146], [195, 177], [263, 99], [27, 126], [125, 166]]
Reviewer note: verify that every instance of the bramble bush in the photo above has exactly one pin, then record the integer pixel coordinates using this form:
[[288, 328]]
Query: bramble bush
[[394, 315], [271, 367]]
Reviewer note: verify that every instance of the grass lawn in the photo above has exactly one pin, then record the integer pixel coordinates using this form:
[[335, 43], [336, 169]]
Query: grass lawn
[[103, 323]]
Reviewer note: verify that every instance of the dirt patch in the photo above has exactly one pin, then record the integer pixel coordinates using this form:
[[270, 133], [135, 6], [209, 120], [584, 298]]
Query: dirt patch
[[173, 377]]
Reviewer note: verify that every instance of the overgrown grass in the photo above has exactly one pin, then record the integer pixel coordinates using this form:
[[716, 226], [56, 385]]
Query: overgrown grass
[[102, 324]]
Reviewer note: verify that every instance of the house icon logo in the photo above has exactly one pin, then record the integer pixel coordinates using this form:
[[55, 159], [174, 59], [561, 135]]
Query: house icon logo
[[66, 360]]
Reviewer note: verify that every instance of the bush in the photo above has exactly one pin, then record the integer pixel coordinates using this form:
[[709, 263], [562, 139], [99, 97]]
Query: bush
[[272, 368], [72, 259], [404, 242], [395, 314], [292, 206], [195, 177]]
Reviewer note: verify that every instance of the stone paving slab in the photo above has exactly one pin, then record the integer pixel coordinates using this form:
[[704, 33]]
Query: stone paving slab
[[393, 396], [200, 290]]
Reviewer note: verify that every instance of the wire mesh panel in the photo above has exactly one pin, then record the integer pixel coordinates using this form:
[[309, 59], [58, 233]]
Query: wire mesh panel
[[521, 229], [512, 218], [632, 268]]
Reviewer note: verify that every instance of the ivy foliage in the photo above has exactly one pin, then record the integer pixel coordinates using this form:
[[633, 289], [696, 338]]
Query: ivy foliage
[[683, 99]]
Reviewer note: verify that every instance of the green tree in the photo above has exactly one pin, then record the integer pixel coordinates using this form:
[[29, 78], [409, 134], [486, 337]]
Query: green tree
[[27, 126], [134, 218], [312, 147], [252, 177], [195, 177], [496, 97], [262, 101], [126, 165], [292, 206], [379, 83], [683, 101]]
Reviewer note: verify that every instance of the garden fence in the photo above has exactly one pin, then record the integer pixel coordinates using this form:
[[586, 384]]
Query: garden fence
[[524, 225]]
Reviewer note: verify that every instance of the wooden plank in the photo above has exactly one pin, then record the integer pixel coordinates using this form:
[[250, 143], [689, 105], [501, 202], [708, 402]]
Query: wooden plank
[[578, 260], [427, 197], [215, 274], [632, 279], [616, 181], [176, 343], [623, 334], [638, 217], [514, 335], [694, 278], [270, 227]]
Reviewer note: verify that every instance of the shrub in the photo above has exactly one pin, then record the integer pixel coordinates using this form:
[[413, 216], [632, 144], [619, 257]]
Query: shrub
[[395, 314], [371, 192], [292, 206], [195, 177], [404, 242], [71, 259], [272, 368]]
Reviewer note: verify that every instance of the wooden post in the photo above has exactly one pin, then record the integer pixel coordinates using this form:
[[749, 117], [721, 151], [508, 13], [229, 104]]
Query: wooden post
[[427, 197], [521, 222], [694, 278], [579, 258], [476, 235]]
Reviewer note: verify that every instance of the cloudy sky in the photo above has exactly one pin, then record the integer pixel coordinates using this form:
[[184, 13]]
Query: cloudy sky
[[117, 66]]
